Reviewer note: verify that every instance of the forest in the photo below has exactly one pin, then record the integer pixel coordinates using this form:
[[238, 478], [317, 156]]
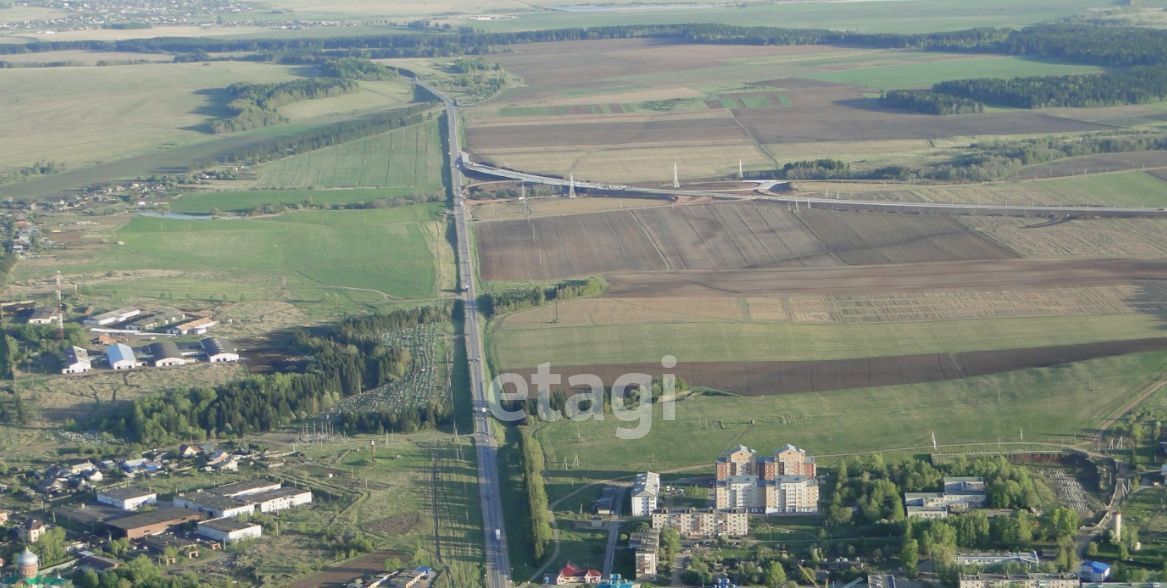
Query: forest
[[255, 105], [930, 102], [343, 360]]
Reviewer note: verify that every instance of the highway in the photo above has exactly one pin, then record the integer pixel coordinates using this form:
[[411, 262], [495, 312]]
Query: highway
[[829, 203], [498, 566]]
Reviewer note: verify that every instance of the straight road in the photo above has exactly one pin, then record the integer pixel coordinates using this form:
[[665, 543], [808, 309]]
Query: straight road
[[829, 203], [498, 567]]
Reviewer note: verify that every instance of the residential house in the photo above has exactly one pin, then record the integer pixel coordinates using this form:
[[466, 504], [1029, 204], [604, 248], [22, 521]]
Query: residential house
[[229, 530], [645, 491], [76, 361], [127, 498], [166, 354], [219, 350], [1018, 581], [782, 483], [32, 530], [121, 357], [703, 523]]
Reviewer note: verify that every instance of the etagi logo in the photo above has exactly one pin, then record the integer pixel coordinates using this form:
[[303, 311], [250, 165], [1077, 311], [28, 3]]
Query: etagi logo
[[630, 397]]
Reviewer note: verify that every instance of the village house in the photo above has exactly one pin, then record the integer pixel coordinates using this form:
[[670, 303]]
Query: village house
[[571, 574]]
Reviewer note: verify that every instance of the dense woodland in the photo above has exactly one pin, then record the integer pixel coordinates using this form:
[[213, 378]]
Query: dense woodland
[[342, 361], [537, 505], [930, 102], [519, 298], [253, 106]]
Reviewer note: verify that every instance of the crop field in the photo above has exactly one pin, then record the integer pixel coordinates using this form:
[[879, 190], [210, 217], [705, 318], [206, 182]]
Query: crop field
[[388, 257], [540, 207], [723, 236], [1152, 161], [403, 158], [518, 342], [239, 201], [124, 110], [1129, 188], [79, 57], [1076, 238], [624, 110], [985, 409]]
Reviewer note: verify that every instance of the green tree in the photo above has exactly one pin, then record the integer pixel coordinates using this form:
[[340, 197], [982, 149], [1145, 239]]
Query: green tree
[[910, 557], [775, 575]]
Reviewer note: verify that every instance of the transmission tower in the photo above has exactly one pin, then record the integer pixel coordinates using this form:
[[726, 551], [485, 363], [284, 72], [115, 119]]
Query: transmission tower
[[676, 180], [741, 173], [571, 187]]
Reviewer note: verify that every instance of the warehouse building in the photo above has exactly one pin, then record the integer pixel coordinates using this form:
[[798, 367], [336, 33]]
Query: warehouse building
[[112, 317], [127, 498], [219, 350], [76, 361], [229, 530], [166, 354], [151, 523], [121, 357]]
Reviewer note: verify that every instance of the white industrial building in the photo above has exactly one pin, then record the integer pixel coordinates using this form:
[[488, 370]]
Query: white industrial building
[[281, 499], [246, 488], [76, 361], [112, 317], [213, 505], [229, 530], [128, 498], [121, 357], [219, 350], [166, 354], [645, 492]]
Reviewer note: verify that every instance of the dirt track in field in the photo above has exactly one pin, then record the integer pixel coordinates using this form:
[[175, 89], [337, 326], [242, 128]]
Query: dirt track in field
[[995, 274], [786, 377], [721, 236]]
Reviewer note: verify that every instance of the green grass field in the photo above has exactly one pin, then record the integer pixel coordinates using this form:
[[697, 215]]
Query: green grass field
[[329, 262], [404, 158], [206, 202], [1050, 404], [532, 344]]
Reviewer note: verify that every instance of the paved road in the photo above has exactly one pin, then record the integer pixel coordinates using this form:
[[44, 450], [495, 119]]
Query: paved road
[[498, 567], [614, 531], [831, 203]]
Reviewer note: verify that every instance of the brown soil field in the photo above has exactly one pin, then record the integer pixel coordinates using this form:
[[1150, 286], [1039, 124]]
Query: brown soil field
[[868, 239], [721, 236], [704, 130], [512, 210], [998, 274], [785, 377], [1077, 238]]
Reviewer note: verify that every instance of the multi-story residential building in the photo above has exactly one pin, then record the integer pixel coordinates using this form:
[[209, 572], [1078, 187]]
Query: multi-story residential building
[[646, 547], [692, 522], [1020, 581], [782, 483], [645, 491]]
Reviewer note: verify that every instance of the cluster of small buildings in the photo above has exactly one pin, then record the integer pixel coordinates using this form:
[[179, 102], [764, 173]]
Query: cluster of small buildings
[[780, 484], [573, 575], [219, 512], [960, 494], [134, 320], [119, 356]]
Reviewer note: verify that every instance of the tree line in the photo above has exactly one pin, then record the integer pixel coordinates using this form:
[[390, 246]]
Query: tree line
[[253, 106], [342, 361], [930, 102], [537, 505], [519, 298]]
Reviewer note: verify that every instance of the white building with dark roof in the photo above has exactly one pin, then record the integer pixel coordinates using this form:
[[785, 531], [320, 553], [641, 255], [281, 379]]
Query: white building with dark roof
[[213, 505], [229, 530], [219, 350], [76, 361], [44, 315], [127, 498], [280, 499], [121, 357], [166, 354]]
